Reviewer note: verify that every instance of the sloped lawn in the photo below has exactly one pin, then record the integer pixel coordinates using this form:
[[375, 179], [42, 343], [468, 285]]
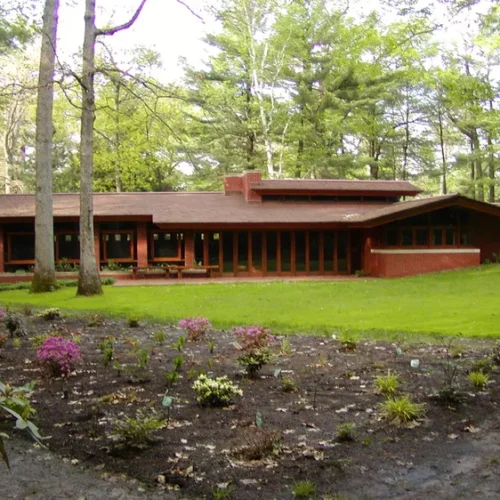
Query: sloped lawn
[[454, 302], [288, 426]]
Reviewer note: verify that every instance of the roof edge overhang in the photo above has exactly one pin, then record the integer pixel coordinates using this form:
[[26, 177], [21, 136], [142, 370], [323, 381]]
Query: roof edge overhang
[[335, 192], [452, 200]]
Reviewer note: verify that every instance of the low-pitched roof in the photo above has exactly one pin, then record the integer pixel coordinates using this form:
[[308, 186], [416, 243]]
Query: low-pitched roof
[[216, 208], [341, 186]]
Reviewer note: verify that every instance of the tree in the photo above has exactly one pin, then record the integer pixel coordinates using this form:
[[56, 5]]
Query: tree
[[89, 282], [44, 279]]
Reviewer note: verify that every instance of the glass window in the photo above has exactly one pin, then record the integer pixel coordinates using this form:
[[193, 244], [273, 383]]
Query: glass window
[[213, 249], [392, 237], [69, 246], [243, 251], [300, 251], [314, 244], [329, 250], [286, 251], [256, 251], [342, 251], [118, 246], [227, 252], [437, 237], [450, 237], [422, 235], [407, 237], [272, 239], [465, 236], [22, 246], [166, 246]]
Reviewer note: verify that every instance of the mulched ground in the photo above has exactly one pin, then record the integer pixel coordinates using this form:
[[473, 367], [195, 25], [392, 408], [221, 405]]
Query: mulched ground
[[453, 453]]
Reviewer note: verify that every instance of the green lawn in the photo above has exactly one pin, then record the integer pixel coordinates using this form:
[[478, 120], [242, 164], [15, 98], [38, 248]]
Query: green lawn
[[466, 302]]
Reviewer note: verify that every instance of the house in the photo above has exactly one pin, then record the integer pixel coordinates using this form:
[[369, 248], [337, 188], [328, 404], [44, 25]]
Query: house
[[259, 227]]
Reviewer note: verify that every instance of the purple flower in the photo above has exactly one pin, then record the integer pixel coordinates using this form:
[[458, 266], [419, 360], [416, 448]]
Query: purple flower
[[59, 355], [254, 336], [195, 327]]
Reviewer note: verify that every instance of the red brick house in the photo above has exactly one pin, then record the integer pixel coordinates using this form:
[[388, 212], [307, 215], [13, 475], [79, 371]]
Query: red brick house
[[268, 228]]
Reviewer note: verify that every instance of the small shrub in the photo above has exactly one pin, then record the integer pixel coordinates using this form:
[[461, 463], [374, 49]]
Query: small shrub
[[345, 432], [401, 411], [195, 328], [304, 489], [253, 337], [16, 343], [18, 398], [179, 345], [482, 365], [107, 348], [222, 493], [211, 346], [172, 377], [107, 281], [160, 337], [254, 360], [495, 355], [96, 320], [50, 314], [28, 310], [142, 357], [37, 340], [215, 392], [348, 341], [288, 385], [58, 355], [286, 347], [133, 321], [178, 363], [479, 380], [254, 443], [387, 385], [136, 432], [15, 324]]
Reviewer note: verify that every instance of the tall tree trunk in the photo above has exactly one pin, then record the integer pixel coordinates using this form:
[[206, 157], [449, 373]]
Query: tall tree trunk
[[89, 282], [478, 166], [472, 170], [491, 170], [444, 167], [44, 279]]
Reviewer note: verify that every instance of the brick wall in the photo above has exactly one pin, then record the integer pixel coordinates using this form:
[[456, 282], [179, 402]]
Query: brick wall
[[242, 184], [397, 263], [486, 235]]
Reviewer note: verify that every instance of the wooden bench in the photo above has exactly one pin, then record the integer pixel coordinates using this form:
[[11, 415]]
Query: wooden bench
[[144, 272], [180, 270]]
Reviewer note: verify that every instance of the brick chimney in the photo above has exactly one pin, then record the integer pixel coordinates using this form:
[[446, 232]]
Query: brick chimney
[[234, 184]]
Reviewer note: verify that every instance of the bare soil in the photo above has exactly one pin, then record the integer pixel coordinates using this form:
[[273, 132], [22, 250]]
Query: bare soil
[[454, 452]]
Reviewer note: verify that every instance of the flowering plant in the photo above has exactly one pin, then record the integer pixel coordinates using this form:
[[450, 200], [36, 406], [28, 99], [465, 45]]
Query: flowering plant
[[58, 355], [50, 314], [253, 337], [215, 392], [195, 327]]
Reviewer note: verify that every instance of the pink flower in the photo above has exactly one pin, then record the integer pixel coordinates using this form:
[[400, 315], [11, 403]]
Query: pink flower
[[254, 336], [59, 355]]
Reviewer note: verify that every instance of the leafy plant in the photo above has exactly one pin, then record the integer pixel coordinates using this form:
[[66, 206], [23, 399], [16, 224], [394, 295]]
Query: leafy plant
[[133, 321], [345, 432], [16, 343], [401, 411], [160, 337], [136, 432], [15, 324], [107, 348], [304, 489], [179, 345], [142, 357], [495, 355], [28, 310], [482, 365], [255, 443], [50, 314], [253, 337], [451, 370], [58, 355], [348, 341], [222, 493], [195, 328], [478, 379], [254, 360], [172, 377], [215, 392], [389, 384], [211, 346], [178, 362], [37, 340], [286, 347], [288, 385], [15, 402], [96, 320]]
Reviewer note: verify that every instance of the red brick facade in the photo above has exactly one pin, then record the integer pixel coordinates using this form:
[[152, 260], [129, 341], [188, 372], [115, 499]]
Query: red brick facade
[[396, 263]]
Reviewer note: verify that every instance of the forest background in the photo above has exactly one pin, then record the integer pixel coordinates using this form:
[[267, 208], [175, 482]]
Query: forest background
[[391, 89]]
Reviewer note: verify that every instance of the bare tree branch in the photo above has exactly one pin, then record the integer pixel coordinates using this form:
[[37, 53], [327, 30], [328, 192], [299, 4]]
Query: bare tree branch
[[191, 10], [121, 27]]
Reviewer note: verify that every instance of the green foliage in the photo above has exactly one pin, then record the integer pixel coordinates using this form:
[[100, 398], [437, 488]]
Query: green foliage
[[179, 345], [160, 337], [26, 285], [37, 340], [254, 360], [15, 324], [221, 493], [345, 432], [304, 489], [288, 385], [484, 365], [133, 321], [211, 346], [348, 341], [138, 431], [387, 385], [178, 362], [172, 377], [50, 314], [96, 320], [285, 347], [215, 392], [479, 380], [401, 411], [107, 348]]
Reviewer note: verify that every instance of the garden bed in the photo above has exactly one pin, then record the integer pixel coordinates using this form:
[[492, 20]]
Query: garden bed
[[268, 441]]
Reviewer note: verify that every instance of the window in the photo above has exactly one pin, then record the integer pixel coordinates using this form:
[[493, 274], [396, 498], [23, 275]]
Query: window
[[167, 246], [407, 237], [421, 237], [68, 246], [21, 247], [118, 246]]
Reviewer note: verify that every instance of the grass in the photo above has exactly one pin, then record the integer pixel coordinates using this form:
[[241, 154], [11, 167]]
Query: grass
[[447, 303]]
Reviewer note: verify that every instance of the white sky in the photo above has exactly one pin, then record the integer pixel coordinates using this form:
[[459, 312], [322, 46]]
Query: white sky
[[164, 25]]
